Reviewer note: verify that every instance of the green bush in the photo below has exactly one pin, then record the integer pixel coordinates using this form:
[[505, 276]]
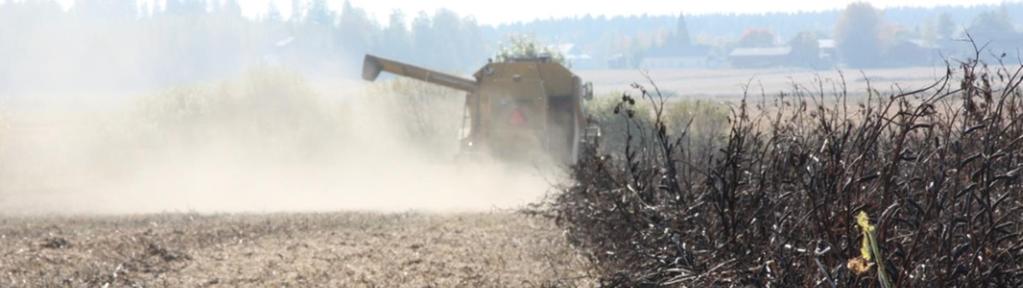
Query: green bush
[[521, 46]]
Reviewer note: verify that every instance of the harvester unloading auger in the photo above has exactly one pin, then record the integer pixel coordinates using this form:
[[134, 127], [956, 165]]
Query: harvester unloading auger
[[515, 108]]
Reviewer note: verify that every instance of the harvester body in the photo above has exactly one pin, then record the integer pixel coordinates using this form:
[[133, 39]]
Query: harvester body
[[517, 109]]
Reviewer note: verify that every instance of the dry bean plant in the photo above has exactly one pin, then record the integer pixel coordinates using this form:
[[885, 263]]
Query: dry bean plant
[[935, 172]]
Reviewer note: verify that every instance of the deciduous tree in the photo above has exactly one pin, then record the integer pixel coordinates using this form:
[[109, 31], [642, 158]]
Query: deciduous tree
[[858, 35]]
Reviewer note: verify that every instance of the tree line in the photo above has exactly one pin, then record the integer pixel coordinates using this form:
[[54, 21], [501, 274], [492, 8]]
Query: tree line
[[122, 44]]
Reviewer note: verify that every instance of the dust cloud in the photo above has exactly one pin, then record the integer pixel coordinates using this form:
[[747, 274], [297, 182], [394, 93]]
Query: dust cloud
[[268, 141]]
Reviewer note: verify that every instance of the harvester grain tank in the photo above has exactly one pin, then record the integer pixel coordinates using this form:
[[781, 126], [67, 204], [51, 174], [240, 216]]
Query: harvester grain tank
[[514, 108]]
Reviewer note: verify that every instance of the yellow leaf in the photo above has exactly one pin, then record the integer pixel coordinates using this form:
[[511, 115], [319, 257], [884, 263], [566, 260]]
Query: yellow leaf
[[864, 222]]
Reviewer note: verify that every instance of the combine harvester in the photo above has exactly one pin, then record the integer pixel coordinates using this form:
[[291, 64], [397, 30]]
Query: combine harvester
[[514, 109]]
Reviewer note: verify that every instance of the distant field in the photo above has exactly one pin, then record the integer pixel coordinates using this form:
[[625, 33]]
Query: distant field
[[728, 83], [280, 250]]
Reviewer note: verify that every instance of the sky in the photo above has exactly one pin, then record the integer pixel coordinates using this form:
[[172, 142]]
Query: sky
[[496, 12]]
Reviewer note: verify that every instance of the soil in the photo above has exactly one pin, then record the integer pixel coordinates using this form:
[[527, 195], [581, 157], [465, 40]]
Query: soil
[[350, 249]]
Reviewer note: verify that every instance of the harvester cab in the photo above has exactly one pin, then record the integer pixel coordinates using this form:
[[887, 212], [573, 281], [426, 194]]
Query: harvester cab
[[517, 109]]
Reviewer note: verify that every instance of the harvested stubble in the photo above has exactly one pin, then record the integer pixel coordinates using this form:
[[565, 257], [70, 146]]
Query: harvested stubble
[[281, 250], [774, 203]]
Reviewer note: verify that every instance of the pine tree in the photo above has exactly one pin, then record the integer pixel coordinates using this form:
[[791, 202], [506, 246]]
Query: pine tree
[[682, 38]]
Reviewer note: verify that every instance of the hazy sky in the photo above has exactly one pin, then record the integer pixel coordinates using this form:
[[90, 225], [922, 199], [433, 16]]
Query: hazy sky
[[504, 11], [493, 12]]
